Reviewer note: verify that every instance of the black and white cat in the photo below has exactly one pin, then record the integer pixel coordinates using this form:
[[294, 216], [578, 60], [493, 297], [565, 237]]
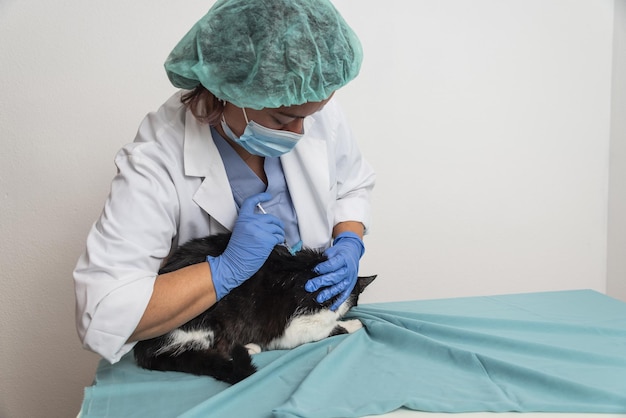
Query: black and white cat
[[271, 310]]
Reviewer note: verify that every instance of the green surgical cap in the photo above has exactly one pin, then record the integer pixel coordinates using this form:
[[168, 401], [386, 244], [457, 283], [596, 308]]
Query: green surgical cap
[[267, 53]]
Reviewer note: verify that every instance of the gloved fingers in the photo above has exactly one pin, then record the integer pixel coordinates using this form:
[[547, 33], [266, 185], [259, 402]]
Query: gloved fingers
[[253, 224], [249, 204], [332, 291], [333, 263], [264, 223], [325, 280], [248, 214], [270, 235], [270, 221]]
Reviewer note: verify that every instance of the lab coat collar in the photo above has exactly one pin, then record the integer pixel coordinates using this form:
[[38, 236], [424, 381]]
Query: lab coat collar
[[306, 170], [202, 159]]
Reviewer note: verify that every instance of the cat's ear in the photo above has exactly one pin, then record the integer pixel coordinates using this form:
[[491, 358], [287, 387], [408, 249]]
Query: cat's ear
[[364, 281]]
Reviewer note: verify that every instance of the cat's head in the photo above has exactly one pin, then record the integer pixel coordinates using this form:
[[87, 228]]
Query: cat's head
[[361, 283]]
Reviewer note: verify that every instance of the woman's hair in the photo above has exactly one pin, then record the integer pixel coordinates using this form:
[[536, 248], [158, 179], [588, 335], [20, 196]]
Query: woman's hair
[[203, 105]]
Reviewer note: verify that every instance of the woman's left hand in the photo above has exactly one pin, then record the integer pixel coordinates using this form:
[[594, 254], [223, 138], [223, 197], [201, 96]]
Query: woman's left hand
[[338, 274]]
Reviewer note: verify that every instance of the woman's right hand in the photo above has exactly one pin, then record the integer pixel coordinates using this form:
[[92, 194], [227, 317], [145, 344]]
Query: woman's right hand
[[253, 239]]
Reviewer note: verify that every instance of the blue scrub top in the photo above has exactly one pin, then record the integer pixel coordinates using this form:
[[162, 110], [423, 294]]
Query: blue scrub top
[[244, 183]]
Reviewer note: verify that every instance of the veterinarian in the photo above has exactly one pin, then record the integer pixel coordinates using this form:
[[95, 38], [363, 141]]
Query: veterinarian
[[252, 144]]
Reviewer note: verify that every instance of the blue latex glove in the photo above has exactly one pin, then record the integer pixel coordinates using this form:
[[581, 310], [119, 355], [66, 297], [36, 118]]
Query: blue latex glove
[[339, 273], [253, 238]]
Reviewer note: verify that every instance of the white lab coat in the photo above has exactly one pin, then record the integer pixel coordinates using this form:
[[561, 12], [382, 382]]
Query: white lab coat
[[171, 187]]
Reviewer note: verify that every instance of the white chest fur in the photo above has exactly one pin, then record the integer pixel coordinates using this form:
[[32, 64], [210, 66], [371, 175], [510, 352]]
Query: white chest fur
[[314, 327]]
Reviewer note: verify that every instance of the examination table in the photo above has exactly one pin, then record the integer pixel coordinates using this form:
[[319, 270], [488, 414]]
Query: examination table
[[539, 353]]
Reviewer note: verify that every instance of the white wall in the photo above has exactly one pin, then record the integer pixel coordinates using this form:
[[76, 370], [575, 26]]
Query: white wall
[[616, 274], [488, 123]]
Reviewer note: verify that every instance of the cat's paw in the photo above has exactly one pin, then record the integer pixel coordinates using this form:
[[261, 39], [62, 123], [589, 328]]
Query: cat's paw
[[253, 348], [351, 325]]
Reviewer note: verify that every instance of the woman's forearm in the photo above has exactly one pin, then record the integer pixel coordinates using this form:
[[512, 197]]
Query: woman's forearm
[[177, 297], [352, 226]]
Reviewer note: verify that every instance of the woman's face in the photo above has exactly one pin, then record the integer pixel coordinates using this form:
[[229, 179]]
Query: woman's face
[[289, 118]]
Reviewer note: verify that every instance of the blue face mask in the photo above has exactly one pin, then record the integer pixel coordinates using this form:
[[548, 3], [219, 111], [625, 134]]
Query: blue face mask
[[262, 141]]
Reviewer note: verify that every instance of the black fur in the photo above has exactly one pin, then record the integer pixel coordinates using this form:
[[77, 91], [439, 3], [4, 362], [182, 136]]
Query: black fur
[[257, 312]]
